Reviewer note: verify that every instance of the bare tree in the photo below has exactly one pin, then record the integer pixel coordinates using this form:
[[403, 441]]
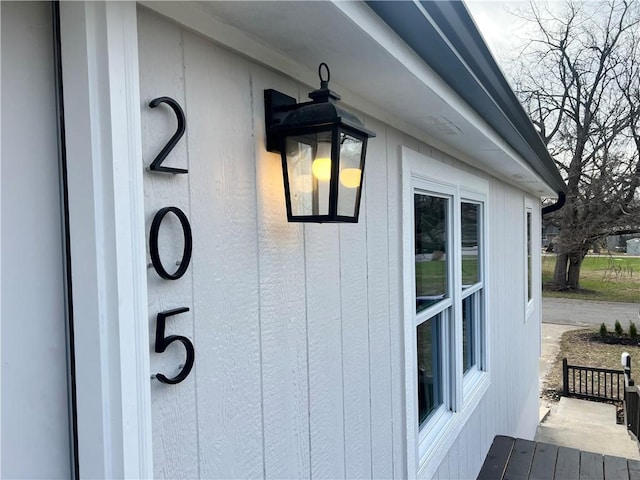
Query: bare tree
[[578, 79]]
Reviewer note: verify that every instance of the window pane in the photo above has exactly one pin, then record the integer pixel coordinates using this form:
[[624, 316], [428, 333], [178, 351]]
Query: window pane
[[431, 249], [529, 294], [469, 316], [470, 235], [429, 368]]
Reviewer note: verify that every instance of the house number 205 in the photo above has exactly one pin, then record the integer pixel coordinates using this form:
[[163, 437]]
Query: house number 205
[[162, 341]]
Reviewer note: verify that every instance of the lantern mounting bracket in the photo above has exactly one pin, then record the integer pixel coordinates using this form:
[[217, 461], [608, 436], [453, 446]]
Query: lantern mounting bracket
[[276, 107]]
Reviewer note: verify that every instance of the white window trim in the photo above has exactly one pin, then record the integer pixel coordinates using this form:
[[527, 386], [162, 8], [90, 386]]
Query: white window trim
[[427, 449]]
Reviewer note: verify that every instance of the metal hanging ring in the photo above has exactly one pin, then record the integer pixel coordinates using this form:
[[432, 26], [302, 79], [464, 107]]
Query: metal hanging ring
[[320, 72]]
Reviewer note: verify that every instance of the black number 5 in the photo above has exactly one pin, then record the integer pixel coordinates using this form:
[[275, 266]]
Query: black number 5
[[163, 342]]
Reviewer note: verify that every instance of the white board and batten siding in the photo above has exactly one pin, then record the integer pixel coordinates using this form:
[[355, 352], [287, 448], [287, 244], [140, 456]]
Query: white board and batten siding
[[297, 328], [35, 439]]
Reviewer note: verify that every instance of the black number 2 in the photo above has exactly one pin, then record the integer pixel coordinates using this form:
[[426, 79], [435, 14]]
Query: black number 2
[[156, 165], [163, 342]]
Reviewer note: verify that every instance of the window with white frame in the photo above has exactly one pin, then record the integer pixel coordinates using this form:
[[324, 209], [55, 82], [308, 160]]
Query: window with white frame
[[444, 262], [528, 259], [528, 266]]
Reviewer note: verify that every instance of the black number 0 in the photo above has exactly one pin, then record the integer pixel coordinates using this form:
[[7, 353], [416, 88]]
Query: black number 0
[[156, 165], [153, 243], [163, 342]]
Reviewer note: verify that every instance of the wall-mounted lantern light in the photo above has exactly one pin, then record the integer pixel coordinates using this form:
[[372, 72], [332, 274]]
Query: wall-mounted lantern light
[[323, 148]]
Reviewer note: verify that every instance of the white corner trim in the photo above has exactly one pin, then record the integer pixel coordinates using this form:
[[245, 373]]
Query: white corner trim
[[102, 113]]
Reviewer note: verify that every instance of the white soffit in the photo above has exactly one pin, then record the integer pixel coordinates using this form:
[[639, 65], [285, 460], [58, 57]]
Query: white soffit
[[371, 67]]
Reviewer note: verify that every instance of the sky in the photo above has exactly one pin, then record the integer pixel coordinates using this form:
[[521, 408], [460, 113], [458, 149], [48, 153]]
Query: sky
[[505, 33], [502, 31]]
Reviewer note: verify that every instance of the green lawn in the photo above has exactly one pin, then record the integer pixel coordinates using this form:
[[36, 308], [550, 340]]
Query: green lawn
[[614, 279], [431, 278], [431, 275]]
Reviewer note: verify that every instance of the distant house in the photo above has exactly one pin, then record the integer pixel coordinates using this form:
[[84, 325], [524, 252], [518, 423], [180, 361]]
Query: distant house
[[549, 233], [620, 243], [395, 347]]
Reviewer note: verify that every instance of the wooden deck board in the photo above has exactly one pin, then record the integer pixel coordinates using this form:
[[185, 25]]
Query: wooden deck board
[[591, 466], [567, 464], [516, 459], [497, 458], [520, 461], [615, 468], [634, 469], [543, 466]]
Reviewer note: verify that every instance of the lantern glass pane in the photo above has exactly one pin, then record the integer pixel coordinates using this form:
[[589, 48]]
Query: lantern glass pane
[[350, 176], [309, 173]]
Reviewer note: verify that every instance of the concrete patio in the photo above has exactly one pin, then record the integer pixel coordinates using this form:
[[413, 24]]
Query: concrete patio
[[580, 424], [587, 426]]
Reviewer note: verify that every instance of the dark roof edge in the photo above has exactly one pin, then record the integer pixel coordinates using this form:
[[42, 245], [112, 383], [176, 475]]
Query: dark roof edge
[[448, 40]]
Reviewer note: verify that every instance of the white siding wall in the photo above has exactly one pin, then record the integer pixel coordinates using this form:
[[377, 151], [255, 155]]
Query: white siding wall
[[298, 329], [34, 420]]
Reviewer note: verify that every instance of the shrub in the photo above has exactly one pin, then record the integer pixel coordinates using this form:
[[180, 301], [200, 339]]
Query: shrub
[[633, 331], [603, 330], [618, 328]]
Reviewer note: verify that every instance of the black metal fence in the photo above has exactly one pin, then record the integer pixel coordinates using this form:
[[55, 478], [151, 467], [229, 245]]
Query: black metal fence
[[631, 399], [632, 408], [592, 383]]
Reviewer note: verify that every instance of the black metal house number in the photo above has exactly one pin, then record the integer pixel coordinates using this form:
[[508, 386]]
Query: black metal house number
[[162, 341]]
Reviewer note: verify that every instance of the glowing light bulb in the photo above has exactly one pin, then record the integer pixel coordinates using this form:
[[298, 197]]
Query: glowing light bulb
[[321, 166], [350, 177]]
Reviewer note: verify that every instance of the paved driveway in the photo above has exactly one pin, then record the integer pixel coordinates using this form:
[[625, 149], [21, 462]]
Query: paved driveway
[[584, 313]]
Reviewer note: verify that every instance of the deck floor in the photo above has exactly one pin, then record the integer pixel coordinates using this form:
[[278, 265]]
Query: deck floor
[[516, 459]]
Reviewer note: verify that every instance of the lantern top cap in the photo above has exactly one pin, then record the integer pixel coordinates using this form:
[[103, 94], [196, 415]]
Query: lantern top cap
[[322, 111], [324, 94]]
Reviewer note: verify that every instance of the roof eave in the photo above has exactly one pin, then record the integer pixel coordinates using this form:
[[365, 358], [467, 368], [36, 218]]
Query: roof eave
[[445, 36]]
